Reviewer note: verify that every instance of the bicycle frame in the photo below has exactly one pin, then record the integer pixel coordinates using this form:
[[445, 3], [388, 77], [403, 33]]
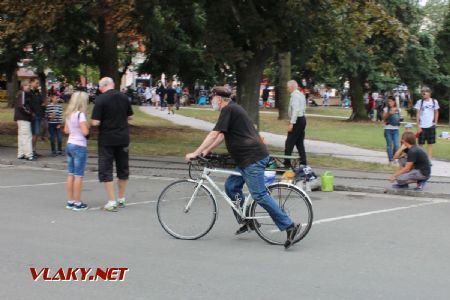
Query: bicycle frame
[[206, 171]]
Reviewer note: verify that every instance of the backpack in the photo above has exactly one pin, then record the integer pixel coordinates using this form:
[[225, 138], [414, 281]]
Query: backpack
[[434, 105]]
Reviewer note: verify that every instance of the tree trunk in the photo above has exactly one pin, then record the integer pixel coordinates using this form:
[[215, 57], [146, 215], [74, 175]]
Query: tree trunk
[[107, 58], [43, 82], [356, 92], [248, 84], [284, 62], [12, 85]]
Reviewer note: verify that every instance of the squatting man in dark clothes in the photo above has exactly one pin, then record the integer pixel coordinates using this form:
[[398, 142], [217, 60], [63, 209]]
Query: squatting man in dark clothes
[[251, 156], [417, 168]]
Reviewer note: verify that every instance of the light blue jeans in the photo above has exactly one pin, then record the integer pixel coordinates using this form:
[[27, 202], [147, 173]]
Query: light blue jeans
[[76, 159], [391, 136], [253, 176]]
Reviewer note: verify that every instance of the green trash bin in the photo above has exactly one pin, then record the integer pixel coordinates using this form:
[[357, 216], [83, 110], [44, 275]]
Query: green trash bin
[[327, 180]]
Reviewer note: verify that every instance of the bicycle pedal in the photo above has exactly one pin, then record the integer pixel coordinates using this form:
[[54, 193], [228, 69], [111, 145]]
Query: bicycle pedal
[[242, 229]]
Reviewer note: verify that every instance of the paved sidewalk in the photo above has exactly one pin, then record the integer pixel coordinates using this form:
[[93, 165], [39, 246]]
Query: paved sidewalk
[[440, 168]]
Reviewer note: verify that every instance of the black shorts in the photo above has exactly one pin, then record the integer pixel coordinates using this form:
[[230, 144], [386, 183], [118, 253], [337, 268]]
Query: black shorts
[[428, 135], [106, 156]]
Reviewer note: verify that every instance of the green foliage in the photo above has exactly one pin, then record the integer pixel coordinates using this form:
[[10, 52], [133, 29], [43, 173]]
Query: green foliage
[[434, 14], [174, 39]]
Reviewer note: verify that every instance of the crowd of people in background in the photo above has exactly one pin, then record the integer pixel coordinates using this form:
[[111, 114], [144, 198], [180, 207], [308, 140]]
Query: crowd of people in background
[[40, 117]]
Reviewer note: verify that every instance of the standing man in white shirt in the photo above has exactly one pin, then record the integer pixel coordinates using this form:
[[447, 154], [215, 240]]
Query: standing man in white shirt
[[297, 124], [427, 117]]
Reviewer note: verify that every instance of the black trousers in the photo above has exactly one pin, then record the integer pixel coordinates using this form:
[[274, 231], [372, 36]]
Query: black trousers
[[106, 157], [296, 138]]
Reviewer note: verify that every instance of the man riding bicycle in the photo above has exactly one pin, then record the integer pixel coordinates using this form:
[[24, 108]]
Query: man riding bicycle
[[251, 156]]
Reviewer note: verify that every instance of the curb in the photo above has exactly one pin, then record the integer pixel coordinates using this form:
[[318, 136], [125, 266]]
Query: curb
[[339, 187], [380, 190]]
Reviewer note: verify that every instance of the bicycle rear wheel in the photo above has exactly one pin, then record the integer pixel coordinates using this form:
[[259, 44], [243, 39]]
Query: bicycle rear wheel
[[180, 221], [293, 201]]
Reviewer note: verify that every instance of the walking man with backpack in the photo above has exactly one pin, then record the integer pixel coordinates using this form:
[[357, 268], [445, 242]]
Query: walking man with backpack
[[427, 117]]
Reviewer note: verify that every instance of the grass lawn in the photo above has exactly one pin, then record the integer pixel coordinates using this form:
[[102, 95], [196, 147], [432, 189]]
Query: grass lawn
[[367, 135]]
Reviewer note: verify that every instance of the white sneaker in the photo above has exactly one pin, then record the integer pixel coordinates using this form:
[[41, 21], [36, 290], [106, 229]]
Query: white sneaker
[[111, 206]]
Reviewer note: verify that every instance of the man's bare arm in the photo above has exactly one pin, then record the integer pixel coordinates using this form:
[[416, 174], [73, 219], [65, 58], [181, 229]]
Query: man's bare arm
[[219, 139], [207, 142]]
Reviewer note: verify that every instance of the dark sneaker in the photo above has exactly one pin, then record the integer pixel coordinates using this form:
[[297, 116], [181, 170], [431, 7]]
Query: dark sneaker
[[35, 154], [121, 203], [31, 158], [54, 154], [247, 227], [70, 205], [60, 153], [79, 206], [420, 185], [400, 186], [291, 233]]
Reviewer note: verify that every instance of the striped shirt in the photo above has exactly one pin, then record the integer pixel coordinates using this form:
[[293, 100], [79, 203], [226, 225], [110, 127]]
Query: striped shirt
[[54, 113]]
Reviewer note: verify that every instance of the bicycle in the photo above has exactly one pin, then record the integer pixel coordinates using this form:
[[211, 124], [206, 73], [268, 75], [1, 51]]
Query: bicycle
[[187, 209]]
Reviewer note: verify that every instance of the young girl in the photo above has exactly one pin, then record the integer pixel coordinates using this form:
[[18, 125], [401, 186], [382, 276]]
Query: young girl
[[391, 129], [54, 115], [77, 127]]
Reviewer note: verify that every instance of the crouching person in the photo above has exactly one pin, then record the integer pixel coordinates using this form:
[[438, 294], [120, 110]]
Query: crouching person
[[417, 168]]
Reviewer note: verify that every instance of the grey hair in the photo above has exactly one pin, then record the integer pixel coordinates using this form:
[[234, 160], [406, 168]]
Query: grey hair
[[24, 83], [293, 84], [105, 81], [426, 89]]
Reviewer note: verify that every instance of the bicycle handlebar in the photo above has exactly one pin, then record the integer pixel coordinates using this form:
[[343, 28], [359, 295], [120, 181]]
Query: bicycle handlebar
[[210, 156]]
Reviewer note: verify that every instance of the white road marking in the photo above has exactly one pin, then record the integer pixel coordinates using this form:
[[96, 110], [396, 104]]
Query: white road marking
[[382, 211], [40, 184], [84, 181], [128, 204]]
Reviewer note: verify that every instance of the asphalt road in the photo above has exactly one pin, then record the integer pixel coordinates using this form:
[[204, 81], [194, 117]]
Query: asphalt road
[[361, 247]]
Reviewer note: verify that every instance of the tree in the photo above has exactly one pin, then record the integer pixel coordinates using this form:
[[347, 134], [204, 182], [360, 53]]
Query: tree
[[434, 14], [442, 87], [245, 34], [173, 34], [365, 40]]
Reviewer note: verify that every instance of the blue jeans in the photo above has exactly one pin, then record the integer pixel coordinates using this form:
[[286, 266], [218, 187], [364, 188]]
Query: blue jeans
[[253, 176], [76, 159], [36, 126], [55, 133], [391, 136]]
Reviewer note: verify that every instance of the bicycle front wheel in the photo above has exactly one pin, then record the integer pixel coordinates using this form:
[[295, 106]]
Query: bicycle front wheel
[[186, 210], [294, 202]]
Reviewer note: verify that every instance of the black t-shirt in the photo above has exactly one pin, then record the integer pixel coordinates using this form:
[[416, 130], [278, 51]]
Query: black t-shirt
[[420, 160], [170, 92], [112, 109], [161, 91], [36, 104], [241, 138]]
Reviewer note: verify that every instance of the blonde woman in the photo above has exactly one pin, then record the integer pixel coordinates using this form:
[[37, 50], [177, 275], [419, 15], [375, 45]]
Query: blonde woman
[[77, 128]]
